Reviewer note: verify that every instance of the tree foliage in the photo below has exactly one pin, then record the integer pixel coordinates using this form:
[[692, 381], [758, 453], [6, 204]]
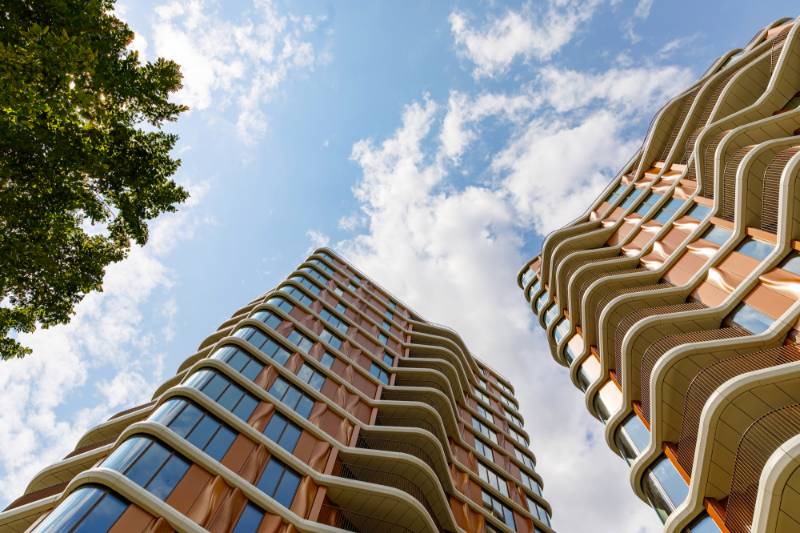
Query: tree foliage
[[84, 163]]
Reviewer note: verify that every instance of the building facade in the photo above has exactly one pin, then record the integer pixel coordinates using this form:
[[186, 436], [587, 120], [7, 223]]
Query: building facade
[[323, 405], [673, 300]]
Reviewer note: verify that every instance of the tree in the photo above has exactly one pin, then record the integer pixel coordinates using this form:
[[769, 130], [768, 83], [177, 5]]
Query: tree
[[84, 163]]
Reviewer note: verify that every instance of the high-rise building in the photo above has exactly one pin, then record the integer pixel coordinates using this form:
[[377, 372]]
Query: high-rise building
[[673, 300], [324, 405]]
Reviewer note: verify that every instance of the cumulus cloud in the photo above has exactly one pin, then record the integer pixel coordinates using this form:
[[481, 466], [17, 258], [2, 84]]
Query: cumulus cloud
[[535, 32], [317, 238], [107, 340], [452, 253], [233, 63]]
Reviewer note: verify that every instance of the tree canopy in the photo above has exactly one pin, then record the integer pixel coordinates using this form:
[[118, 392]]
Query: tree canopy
[[84, 162]]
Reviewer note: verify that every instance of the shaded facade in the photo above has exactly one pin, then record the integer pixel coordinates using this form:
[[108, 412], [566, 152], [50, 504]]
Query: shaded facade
[[322, 405], [674, 298]]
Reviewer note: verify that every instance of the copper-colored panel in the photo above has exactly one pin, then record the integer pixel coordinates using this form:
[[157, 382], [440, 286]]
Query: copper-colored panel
[[768, 301], [188, 489], [238, 453]]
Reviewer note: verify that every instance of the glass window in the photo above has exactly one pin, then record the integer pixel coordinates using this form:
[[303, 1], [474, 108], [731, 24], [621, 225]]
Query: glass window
[[668, 210], [513, 417], [635, 432], [569, 355], [528, 276], [483, 412], [517, 436], [302, 342], [352, 286], [270, 319], [200, 428], [292, 397], [551, 314], [755, 249], [484, 430], [322, 266], [792, 263], [386, 325], [616, 193], [703, 524], [498, 509], [538, 511], [240, 361], [540, 301], [327, 360], [334, 321], [331, 339], [561, 329], [484, 449], [249, 520], [279, 481], [229, 395], [308, 284], [281, 430], [648, 204], [664, 487], [751, 319], [339, 292], [383, 339], [341, 308], [297, 294], [379, 373], [155, 467], [531, 483], [308, 375], [716, 235], [388, 359], [281, 304], [632, 197], [87, 509], [507, 402], [323, 280], [493, 479], [524, 458], [699, 212], [388, 314], [482, 395]]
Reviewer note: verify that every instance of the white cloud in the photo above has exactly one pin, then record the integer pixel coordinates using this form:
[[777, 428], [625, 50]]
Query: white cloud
[[533, 33], [673, 45], [228, 63], [630, 90], [104, 355], [643, 8], [318, 239], [351, 222], [463, 112], [640, 13], [452, 253]]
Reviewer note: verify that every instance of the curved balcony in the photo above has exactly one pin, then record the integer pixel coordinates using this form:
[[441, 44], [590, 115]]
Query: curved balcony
[[378, 471], [629, 320], [709, 379], [662, 346], [432, 398], [618, 284], [756, 446], [357, 522], [418, 360]]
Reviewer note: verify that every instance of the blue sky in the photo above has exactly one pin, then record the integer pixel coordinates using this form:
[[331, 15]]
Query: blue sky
[[433, 144]]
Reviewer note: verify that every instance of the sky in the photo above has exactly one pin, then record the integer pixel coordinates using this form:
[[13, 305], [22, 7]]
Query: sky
[[432, 144]]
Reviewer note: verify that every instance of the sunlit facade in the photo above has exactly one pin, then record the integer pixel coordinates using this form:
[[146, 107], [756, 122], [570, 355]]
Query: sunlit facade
[[323, 405], [674, 299]]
